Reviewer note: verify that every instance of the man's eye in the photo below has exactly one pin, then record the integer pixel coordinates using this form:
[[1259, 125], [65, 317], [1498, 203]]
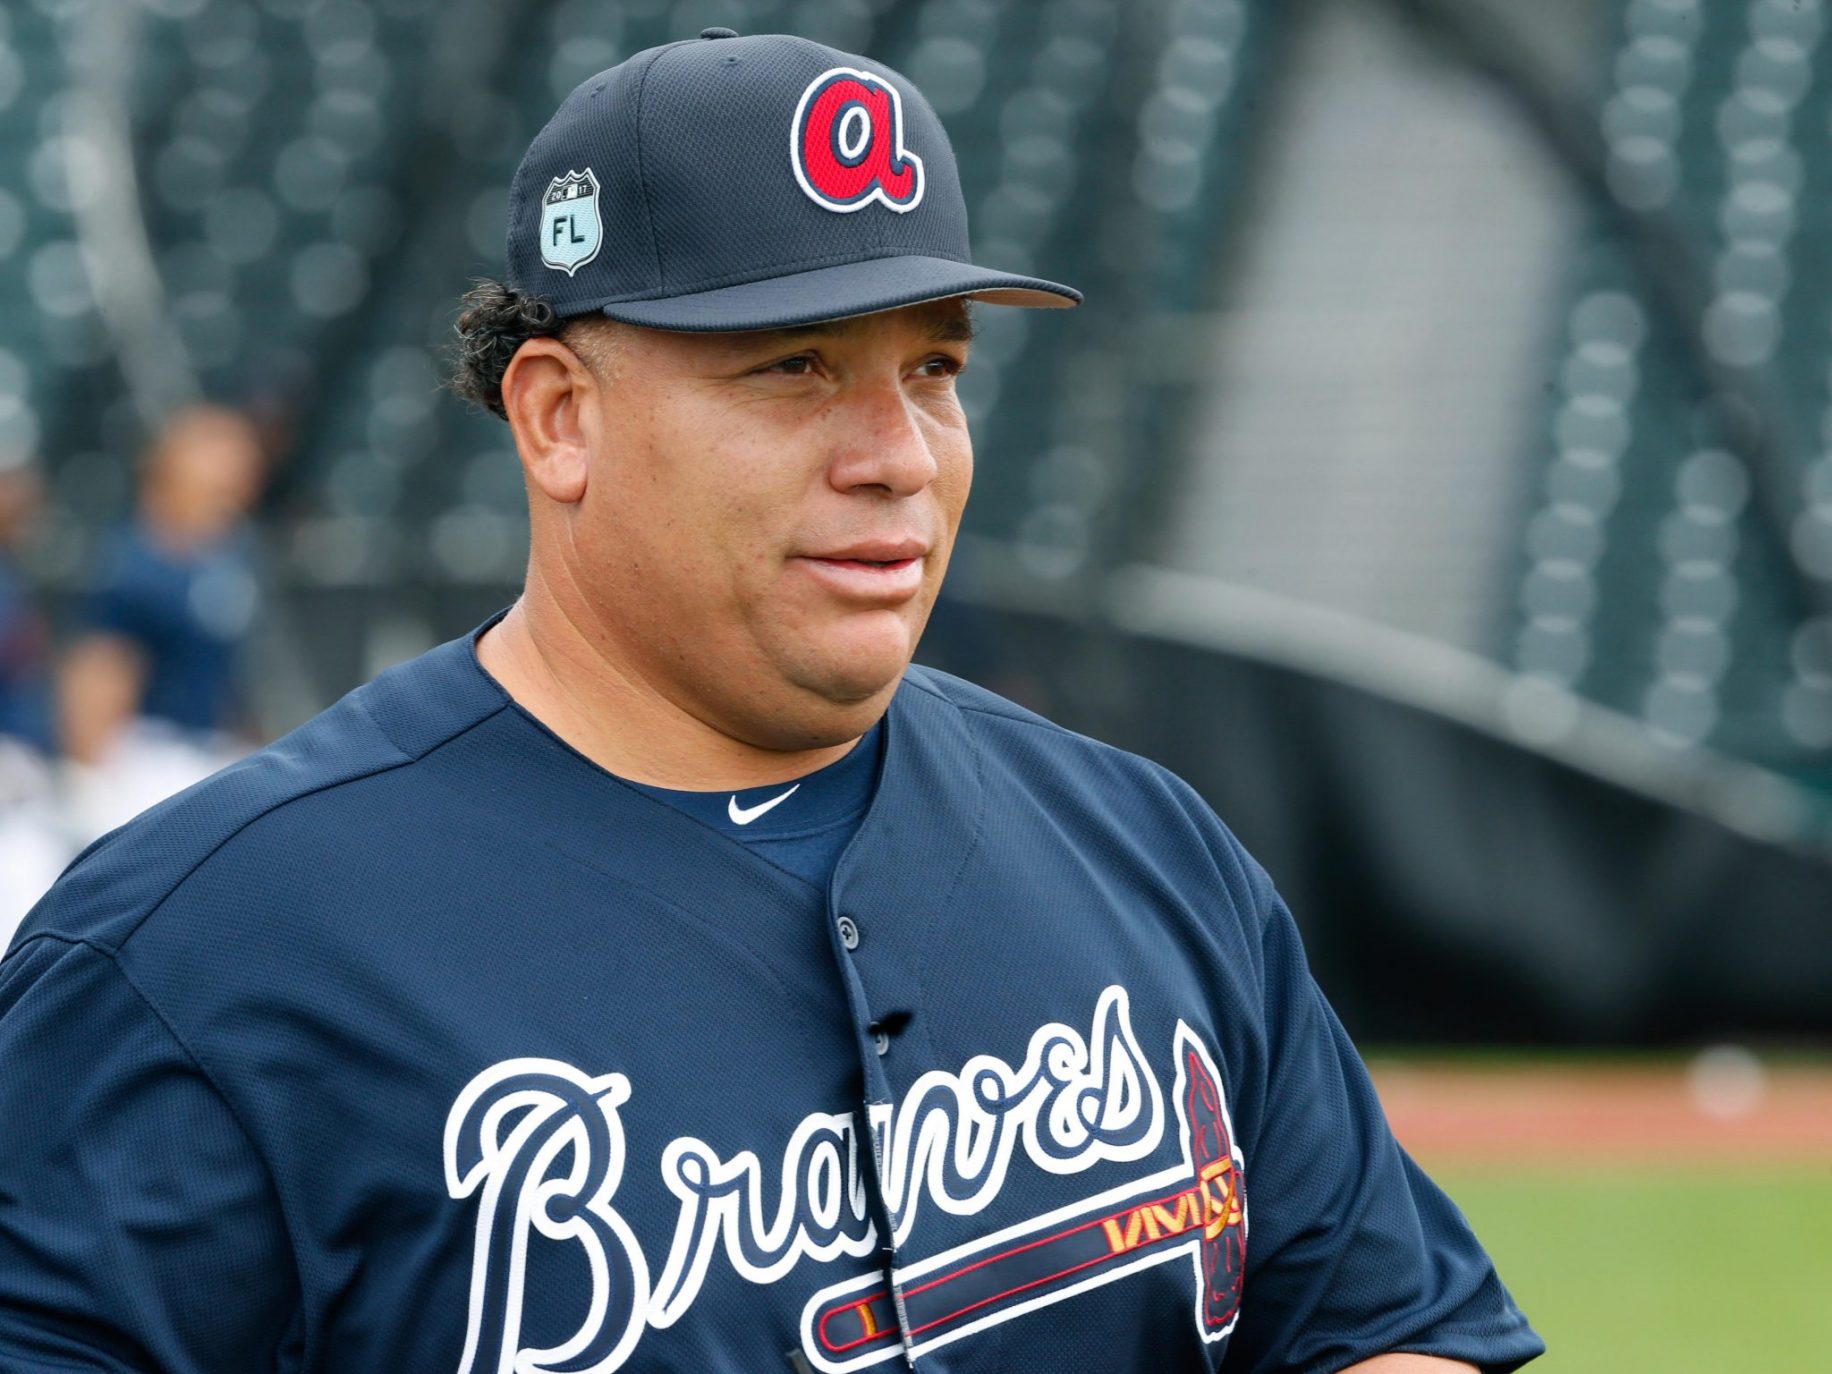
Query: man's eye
[[803, 365]]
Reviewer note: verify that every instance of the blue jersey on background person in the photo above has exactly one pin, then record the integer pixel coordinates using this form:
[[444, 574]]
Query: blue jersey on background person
[[187, 612]]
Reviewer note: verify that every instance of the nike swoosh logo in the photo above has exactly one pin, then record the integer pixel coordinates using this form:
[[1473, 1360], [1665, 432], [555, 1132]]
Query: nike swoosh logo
[[744, 815]]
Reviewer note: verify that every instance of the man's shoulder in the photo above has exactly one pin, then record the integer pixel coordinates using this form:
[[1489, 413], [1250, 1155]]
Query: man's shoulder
[[1007, 725], [120, 880], [1011, 731], [1104, 798]]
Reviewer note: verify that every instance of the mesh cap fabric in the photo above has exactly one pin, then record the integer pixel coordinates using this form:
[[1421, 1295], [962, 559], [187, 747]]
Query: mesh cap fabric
[[727, 183]]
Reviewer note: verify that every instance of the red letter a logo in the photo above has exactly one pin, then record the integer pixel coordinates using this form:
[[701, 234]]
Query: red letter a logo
[[846, 143]]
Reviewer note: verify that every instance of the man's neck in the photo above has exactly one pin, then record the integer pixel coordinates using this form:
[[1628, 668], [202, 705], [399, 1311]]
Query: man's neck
[[552, 668]]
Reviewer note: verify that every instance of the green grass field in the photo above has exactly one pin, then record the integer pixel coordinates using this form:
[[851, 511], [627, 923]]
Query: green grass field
[[1662, 1270]]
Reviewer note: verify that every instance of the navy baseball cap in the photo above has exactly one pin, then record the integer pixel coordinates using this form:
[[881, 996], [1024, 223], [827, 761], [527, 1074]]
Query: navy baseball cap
[[726, 182]]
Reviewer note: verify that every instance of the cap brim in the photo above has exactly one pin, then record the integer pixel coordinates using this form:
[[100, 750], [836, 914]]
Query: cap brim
[[832, 293]]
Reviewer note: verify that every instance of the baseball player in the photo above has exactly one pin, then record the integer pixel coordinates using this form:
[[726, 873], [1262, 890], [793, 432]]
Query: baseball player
[[667, 975]]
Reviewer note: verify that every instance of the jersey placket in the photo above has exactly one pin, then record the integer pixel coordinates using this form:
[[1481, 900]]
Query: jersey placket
[[871, 1119], [888, 893]]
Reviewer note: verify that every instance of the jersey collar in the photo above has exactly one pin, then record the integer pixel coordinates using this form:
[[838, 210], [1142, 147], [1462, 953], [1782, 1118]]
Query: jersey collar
[[909, 853]]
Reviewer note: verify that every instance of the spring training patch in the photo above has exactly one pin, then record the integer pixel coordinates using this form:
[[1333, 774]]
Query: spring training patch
[[541, 1145], [571, 230]]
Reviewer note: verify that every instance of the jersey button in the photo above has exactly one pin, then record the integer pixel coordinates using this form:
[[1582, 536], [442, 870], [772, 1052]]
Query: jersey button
[[883, 1042], [849, 932]]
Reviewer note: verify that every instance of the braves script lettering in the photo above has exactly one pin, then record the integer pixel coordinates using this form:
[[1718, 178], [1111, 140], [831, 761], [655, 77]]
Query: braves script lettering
[[542, 1147]]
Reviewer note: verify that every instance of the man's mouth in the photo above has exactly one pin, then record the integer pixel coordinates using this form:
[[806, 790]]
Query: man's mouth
[[859, 578]]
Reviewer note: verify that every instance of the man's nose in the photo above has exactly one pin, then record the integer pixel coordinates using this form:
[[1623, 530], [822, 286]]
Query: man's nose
[[881, 441]]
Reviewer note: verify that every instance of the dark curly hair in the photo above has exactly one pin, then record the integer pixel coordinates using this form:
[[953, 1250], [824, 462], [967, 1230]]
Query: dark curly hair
[[494, 322]]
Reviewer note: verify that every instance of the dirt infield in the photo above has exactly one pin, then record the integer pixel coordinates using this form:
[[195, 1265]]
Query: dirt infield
[[1709, 1112]]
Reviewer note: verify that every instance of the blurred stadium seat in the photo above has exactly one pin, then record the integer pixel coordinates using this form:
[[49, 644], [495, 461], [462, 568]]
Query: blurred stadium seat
[[1650, 580]]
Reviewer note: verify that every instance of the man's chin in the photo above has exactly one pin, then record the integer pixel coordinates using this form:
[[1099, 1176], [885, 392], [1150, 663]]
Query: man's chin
[[825, 705], [857, 669], [853, 686], [850, 660]]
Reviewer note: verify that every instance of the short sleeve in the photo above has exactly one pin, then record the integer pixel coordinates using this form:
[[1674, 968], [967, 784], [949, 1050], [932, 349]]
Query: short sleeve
[[1352, 1250], [139, 1230]]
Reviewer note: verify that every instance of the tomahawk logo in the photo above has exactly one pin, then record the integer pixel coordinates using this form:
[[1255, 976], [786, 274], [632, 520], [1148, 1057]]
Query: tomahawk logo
[[1195, 1209], [846, 143], [541, 1146]]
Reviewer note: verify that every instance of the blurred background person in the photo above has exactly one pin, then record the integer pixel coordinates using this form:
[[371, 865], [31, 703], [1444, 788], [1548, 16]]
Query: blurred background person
[[33, 849], [150, 694]]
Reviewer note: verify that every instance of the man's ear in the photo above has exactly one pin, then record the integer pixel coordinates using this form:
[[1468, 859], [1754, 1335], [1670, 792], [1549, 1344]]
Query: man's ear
[[549, 398]]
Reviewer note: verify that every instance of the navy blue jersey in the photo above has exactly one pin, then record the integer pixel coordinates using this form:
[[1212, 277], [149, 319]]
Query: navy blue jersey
[[418, 1042], [187, 614]]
